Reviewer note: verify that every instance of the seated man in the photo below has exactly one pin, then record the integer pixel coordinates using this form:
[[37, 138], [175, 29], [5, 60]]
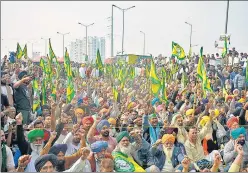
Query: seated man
[[122, 154], [168, 155], [230, 150], [98, 149]]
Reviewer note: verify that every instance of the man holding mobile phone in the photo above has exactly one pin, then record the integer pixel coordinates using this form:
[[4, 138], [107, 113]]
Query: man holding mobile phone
[[22, 96]]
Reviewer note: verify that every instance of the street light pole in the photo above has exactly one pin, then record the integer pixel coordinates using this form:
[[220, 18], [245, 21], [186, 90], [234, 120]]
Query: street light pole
[[42, 38], [190, 39], [144, 48], [227, 10], [190, 33], [86, 33], [112, 32], [63, 34], [123, 13]]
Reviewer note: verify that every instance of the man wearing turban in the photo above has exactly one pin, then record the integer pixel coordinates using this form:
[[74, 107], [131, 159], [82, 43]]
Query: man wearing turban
[[99, 152], [123, 159], [112, 123], [46, 163], [230, 150], [167, 155], [87, 123], [33, 146], [79, 115], [190, 118], [102, 127], [49, 163]]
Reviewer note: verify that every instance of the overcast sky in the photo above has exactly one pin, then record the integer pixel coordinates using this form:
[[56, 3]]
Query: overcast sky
[[163, 22]]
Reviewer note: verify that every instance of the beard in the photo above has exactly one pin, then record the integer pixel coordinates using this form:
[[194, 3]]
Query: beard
[[36, 147], [105, 134], [76, 141], [126, 150], [60, 167], [168, 152]]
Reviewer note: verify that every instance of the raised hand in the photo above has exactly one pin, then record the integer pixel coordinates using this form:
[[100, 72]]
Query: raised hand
[[85, 152], [24, 160], [19, 119]]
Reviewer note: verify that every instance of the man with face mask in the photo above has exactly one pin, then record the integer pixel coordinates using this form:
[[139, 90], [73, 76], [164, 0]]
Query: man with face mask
[[22, 96], [102, 127], [98, 149], [6, 89], [230, 150]]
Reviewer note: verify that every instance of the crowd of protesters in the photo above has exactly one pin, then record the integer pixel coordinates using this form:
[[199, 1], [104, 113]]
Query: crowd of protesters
[[138, 132]]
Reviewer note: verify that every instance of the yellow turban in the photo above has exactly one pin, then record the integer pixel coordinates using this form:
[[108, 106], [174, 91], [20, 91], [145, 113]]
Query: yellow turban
[[168, 138], [79, 111], [189, 112], [131, 105], [204, 120], [242, 100], [217, 112], [112, 121], [84, 83]]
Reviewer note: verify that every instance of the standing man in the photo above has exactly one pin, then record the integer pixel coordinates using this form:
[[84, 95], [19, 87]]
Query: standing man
[[22, 96]]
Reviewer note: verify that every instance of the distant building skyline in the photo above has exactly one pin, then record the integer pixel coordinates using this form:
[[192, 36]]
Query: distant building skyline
[[78, 48]]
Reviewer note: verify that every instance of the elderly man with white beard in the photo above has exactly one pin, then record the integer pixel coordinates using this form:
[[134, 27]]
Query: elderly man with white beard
[[167, 156], [33, 146], [122, 154]]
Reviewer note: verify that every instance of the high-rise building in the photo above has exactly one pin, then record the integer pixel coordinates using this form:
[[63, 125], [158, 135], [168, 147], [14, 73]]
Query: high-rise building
[[78, 52]]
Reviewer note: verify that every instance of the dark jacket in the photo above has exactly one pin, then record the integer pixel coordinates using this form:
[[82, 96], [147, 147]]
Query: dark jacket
[[159, 157]]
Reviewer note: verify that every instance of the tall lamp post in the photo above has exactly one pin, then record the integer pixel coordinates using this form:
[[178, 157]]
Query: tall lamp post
[[86, 30], [112, 32], [190, 45], [63, 34], [46, 39], [123, 13], [144, 48], [32, 43]]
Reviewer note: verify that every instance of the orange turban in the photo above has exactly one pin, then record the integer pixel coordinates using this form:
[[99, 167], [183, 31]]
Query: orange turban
[[168, 138], [87, 119], [232, 120]]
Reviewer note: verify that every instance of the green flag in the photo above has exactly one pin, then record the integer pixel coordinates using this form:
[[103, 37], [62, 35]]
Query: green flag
[[36, 101], [224, 52], [155, 82], [99, 63], [178, 51], [25, 52], [19, 52], [51, 53], [43, 89]]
